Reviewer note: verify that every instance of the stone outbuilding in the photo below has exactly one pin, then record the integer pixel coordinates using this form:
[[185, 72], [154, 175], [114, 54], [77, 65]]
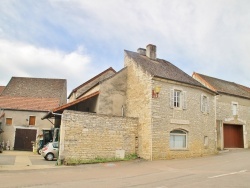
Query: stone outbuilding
[[23, 102], [232, 111]]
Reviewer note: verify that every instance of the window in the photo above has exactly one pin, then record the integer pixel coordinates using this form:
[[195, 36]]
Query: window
[[32, 120], [204, 104], [205, 141], [235, 108], [178, 139], [178, 99], [8, 121]]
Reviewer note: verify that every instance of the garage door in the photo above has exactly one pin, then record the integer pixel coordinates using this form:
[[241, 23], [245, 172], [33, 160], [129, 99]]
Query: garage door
[[23, 139], [233, 136]]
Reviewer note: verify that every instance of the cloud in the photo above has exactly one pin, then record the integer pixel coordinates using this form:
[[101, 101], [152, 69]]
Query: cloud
[[26, 60], [211, 37]]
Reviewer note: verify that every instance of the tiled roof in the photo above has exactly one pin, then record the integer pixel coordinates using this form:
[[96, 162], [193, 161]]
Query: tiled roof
[[24, 103], [35, 87], [1, 89], [60, 109], [163, 69], [92, 82], [222, 86]]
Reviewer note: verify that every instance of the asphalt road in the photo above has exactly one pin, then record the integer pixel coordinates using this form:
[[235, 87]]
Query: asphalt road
[[229, 169]]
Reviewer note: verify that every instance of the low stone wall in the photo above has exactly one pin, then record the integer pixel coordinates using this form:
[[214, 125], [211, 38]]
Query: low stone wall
[[86, 136]]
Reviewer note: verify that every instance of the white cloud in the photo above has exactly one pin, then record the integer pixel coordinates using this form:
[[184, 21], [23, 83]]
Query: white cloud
[[25, 60], [210, 36]]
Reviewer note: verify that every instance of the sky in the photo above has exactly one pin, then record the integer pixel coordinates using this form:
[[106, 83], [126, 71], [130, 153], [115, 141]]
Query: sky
[[78, 39]]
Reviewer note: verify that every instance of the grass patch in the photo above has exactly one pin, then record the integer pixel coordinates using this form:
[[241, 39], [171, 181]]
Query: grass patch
[[75, 161]]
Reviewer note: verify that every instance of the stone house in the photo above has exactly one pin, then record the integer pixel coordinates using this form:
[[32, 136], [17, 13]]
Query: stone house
[[232, 111], [176, 113], [23, 102], [168, 113]]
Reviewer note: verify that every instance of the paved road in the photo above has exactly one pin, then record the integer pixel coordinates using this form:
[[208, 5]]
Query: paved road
[[230, 169], [23, 160]]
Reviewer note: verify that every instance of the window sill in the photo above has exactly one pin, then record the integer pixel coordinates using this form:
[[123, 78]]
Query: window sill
[[181, 149]]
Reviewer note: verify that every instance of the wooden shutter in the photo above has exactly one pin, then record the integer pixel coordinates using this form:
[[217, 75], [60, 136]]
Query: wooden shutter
[[32, 120], [171, 98], [8, 121], [208, 106], [202, 102], [184, 100]]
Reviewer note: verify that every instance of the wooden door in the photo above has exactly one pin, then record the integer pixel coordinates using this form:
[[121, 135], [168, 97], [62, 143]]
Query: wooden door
[[23, 139], [233, 136]]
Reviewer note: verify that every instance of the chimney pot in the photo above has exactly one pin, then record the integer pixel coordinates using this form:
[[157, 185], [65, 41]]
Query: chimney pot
[[141, 51], [151, 51]]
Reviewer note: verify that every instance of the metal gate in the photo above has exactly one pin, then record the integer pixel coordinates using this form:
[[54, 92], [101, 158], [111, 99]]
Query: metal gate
[[233, 136], [23, 139]]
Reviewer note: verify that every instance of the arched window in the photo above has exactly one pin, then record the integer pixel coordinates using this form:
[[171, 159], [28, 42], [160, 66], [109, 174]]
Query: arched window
[[178, 139]]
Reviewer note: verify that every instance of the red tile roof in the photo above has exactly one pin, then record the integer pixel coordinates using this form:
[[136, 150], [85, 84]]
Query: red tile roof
[[31, 103], [1, 89]]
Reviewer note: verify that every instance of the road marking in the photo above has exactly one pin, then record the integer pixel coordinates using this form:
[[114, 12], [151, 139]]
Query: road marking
[[232, 173]]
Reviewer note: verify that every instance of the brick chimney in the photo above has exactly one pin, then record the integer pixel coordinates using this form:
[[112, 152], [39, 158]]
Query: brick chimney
[[151, 51], [141, 51]]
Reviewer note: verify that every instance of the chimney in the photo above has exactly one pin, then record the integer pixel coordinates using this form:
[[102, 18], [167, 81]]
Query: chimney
[[141, 51], [151, 51]]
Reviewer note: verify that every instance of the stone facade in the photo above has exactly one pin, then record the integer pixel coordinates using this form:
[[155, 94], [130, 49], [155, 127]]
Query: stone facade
[[197, 124], [88, 136], [138, 104], [157, 119], [225, 116]]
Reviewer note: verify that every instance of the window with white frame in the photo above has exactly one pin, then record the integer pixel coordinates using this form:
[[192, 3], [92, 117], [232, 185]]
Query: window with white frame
[[178, 99], [235, 108], [178, 139], [204, 104]]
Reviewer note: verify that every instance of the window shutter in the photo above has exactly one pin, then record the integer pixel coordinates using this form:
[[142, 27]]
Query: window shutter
[[208, 107], [32, 120], [184, 98], [171, 98], [202, 102]]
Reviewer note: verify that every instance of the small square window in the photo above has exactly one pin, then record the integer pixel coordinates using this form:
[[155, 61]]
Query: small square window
[[32, 120], [8, 121]]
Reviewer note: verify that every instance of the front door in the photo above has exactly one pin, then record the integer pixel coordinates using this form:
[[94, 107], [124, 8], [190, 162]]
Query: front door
[[233, 136], [23, 139]]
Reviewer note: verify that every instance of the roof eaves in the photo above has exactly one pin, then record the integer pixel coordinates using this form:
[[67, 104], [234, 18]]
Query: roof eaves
[[201, 86]]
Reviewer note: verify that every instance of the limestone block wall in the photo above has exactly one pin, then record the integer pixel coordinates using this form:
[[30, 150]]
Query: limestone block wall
[[225, 115], [87, 135], [197, 124], [138, 104]]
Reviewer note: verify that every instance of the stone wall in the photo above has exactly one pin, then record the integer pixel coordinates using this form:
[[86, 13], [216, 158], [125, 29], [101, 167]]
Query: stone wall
[[197, 124], [225, 115], [138, 104], [88, 136]]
